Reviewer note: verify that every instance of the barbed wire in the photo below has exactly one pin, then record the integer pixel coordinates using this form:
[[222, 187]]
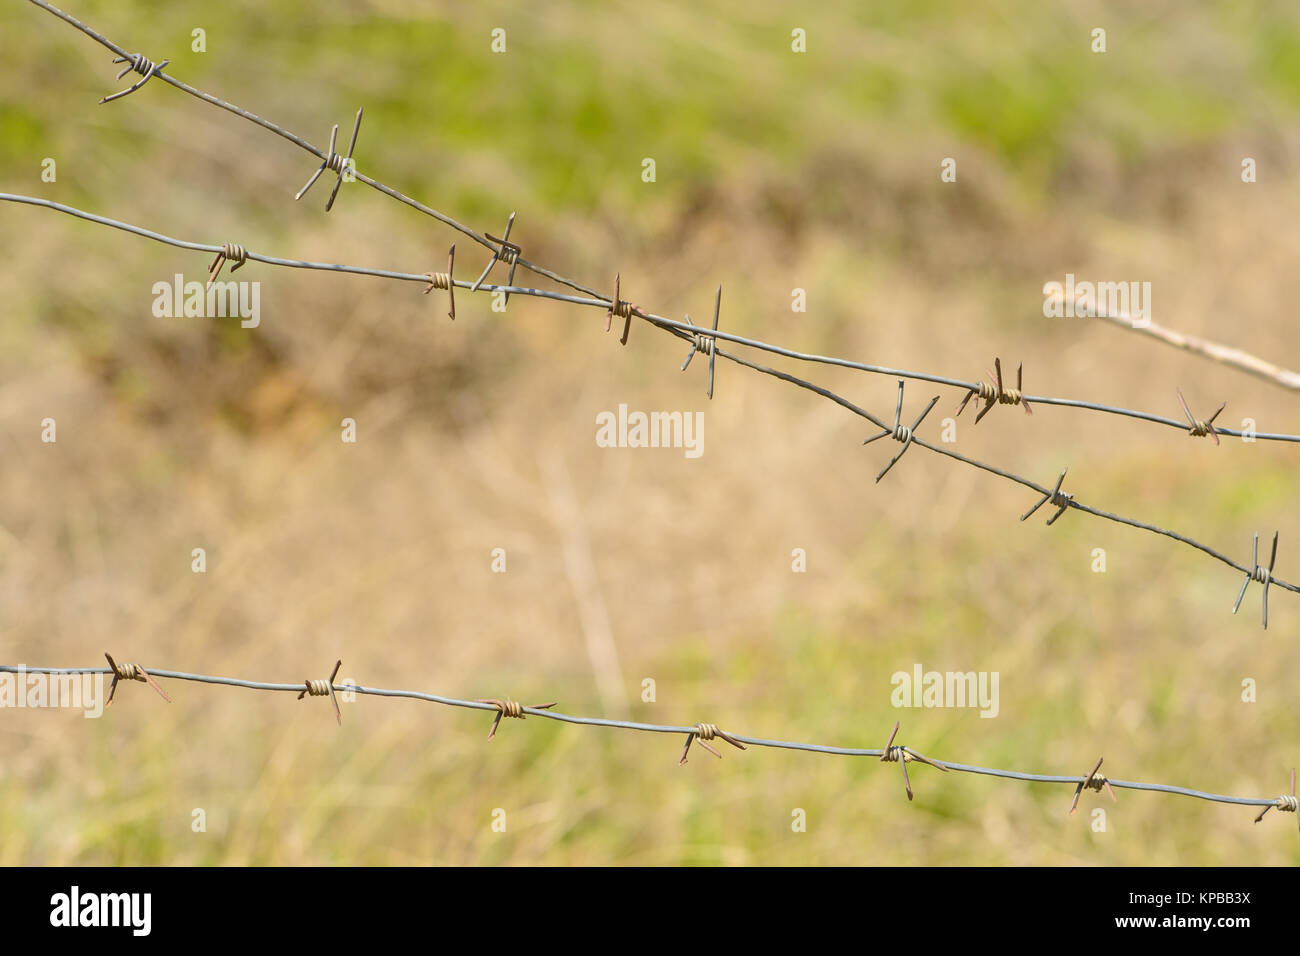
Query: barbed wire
[[702, 732], [701, 339], [991, 392], [905, 434]]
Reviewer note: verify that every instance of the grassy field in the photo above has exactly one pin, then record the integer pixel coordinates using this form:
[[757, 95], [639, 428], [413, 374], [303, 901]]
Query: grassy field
[[775, 171]]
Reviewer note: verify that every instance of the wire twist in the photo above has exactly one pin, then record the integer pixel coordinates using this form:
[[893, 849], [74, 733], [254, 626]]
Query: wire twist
[[335, 163], [123, 672], [230, 252], [1286, 803], [509, 708], [998, 394], [899, 432], [1200, 427], [1059, 499], [506, 251], [623, 309], [1093, 781], [140, 64], [706, 732], [700, 341], [901, 755], [444, 280], [317, 687], [1257, 573]]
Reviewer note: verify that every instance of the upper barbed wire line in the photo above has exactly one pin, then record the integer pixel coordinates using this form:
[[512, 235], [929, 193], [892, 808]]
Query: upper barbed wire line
[[573, 284], [674, 729], [686, 331], [309, 147]]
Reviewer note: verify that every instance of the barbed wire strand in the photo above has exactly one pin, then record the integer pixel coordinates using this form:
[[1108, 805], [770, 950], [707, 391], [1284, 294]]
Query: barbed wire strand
[[497, 247], [688, 332], [505, 708], [700, 338]]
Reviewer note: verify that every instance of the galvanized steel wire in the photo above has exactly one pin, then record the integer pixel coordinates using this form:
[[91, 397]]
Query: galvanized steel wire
[[696, 336], [1280, 802]]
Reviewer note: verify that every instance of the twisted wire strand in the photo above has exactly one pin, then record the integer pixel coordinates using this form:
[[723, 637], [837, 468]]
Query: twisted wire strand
[[699, 730], [537, 269], [683, 330]]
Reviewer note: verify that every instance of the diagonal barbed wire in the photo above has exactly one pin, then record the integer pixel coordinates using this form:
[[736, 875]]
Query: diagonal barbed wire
[[701, 732], [692, 333], [990, 391], [701, 339]]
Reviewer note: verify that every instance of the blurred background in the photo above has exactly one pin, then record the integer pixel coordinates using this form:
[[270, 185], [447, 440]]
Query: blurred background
[[775, 171]]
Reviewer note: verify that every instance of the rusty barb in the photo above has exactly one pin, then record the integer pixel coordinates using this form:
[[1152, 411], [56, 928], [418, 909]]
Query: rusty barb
[[1199, 429], [142, 65], [1287, 803], [622, 308], [997, 394], [507, 251], [323, 688], [445, 280], [900, 432], [700, 342], [705, 732], [334, 162], [130, 672], [1094, 781], [901, 755], [510, 708], [1263, 575], [230, 252], [1059, 499]]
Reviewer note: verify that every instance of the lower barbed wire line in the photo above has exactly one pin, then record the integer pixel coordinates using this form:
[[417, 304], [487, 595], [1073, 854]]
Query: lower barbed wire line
[[556, 277], [680, 330], [635, 726]]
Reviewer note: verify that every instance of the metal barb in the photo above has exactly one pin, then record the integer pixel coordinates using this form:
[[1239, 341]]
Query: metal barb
[[702, 342], [1287, 803], [993, 394], [335, 162], [1058, 498], [507, 250], [322, 688], [705, 732], [232, 252], [620, 307], [592, 298], [445, 280], [902, 755], [510, 708], [1200, 429], [130, 672], [142, 65], [1263, 575], [1094, 781], [900, 432]]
